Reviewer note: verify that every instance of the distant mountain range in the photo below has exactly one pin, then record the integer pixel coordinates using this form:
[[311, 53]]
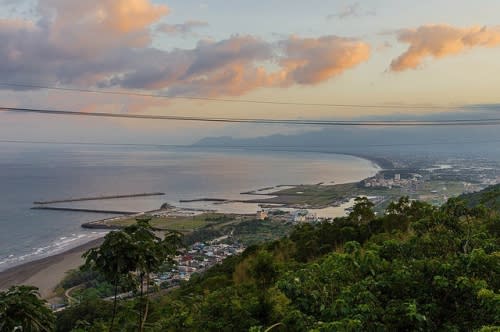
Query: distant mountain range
[[438, 139]]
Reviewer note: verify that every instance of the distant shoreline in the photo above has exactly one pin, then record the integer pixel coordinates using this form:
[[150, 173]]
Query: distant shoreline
[[379, 161]]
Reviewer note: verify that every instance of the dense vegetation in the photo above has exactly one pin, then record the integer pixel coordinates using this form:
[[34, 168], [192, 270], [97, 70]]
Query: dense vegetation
[[489, 197], [21, 309], [246, 231], [417, 268]]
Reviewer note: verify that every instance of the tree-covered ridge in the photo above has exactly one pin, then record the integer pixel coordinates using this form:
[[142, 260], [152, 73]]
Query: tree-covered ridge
[[417, 267], [489, 197]]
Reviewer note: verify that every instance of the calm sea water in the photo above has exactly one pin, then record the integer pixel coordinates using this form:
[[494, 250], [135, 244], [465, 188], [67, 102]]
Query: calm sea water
[[42, 172]]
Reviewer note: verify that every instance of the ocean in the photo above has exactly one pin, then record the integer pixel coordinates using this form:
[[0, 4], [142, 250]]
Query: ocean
[[31, 172]]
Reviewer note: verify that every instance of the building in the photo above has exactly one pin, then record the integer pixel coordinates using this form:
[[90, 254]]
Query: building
[[299, 215], [261, 215], [397, 177], [311, 217]]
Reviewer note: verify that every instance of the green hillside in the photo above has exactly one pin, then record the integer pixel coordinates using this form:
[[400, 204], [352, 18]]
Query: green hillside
[[417, 268], [490, 197]]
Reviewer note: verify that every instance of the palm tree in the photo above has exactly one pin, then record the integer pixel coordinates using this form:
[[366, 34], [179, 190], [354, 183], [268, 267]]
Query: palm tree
[[151, 253], [138, 249], [115, 258], [22, 309]]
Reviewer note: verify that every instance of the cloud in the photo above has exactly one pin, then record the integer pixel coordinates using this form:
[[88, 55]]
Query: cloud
[[122, 16], [226, 67], [183, 29], [108, 43], [94, 26], [314, 60], [440, 40], [76, 42], [239, 64], [352, 10]]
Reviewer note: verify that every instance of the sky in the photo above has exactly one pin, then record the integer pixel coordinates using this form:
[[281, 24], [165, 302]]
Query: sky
[[430, 52]]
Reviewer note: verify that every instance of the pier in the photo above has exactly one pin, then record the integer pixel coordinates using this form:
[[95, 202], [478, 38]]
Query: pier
[[52, 208], [97, 198]]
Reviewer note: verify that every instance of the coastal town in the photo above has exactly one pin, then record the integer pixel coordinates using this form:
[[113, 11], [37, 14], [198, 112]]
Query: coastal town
[[197, 258]]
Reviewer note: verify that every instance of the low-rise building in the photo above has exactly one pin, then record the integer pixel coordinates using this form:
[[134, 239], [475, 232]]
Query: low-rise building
[[261, 215]]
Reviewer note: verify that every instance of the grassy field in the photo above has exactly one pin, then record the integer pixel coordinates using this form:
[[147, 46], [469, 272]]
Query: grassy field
[[182, 224], [313, 195], [318, 196], [246, 230]]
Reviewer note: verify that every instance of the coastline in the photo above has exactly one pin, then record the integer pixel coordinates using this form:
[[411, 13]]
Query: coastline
[[271, 199], [46, 273], [380, 162]]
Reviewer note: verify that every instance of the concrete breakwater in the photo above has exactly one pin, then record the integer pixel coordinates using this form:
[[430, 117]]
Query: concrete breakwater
[[206, 199], [97, 198], [99, 225], [83, 210]]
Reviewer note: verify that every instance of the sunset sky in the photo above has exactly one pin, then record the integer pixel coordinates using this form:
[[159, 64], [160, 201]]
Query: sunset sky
[[430, 52]]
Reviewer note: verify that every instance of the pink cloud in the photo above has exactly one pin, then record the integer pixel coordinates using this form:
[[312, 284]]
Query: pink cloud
[[107, 43], [121, 16], [92, 27], [315, 60], [440, 40], [237, 65]]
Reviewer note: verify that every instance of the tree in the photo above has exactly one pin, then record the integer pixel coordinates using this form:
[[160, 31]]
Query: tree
[[399, 215], [115, 258], [85, 315], [138, 249], [22, 309], [150, 253], [362, 211]]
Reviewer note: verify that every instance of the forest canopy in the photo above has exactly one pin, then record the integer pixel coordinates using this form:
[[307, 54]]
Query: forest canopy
[[417, 267]]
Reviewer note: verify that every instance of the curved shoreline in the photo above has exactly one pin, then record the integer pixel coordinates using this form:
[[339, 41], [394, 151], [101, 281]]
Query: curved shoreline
[[47, 272], [381, 162]]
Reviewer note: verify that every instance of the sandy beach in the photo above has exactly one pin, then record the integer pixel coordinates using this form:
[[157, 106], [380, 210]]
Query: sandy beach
[[46, 273]]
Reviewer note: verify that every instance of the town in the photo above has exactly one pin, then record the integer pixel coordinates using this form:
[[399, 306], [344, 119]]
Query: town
[[197, 258]]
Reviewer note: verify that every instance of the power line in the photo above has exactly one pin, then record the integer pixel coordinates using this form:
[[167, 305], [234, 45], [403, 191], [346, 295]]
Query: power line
[[307, 122], [248, 101]]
